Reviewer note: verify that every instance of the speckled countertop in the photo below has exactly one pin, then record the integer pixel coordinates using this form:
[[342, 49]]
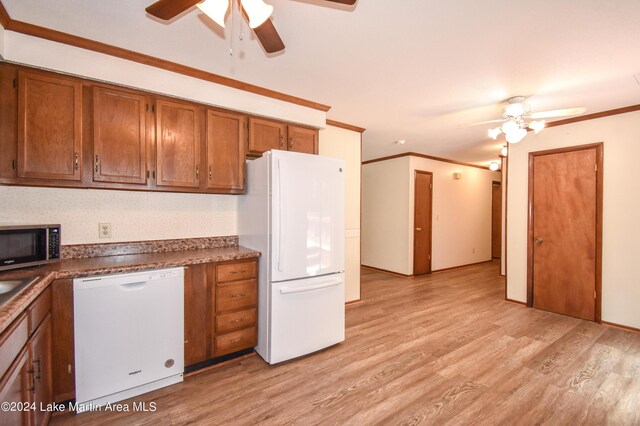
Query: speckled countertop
[[73, 268]]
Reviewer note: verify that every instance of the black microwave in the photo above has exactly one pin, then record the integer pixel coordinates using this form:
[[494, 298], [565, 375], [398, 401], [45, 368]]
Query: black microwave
[[28, 245]]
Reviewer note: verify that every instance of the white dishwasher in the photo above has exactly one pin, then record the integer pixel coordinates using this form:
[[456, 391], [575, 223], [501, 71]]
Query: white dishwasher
[[129, 334]]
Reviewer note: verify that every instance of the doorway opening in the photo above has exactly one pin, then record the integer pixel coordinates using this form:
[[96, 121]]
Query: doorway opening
[[496, 220]]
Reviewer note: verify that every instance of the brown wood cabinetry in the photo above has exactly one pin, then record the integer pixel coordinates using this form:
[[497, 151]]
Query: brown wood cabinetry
[[177, 144], [235, 305], [265, 135], [40, 361], [49, 126], [302, 139], [196, 317], [63, 357], [120, 136], [226, 136], [25, 366]]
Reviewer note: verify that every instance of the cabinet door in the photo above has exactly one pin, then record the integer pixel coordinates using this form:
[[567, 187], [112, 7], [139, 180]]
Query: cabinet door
[[225, 150], [265, 135], [177, 144], [15, 387], [120, 139], [196, 318], [49, 127], [63, 357], [40, 363], [302, 139]]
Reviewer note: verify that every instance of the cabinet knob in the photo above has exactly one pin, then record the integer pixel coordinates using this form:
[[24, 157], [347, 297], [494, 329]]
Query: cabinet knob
[[539, 241], [76, 161], [418, 229], [197, 172]]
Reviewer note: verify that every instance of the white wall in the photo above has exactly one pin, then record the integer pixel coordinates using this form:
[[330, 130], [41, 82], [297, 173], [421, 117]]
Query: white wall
[[461, 224], [134, 216], [385, 215], [461, 213], [2, 33], [346, 144], [621, 227]]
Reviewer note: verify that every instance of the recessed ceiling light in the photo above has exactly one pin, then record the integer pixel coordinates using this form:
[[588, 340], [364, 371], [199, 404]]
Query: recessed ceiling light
[[401, 142]]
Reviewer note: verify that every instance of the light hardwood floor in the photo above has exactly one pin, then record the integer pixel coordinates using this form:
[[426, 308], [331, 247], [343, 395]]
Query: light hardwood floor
[[440, 349]]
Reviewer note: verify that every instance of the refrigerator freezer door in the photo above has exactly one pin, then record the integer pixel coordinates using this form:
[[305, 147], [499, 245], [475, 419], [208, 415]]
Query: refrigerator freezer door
[[307, 223], [307, 315]]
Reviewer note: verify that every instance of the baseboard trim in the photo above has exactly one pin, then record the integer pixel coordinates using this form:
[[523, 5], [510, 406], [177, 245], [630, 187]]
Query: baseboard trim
[[517, 302], [620, 326], [353, 303], [461, 266], [387, 271]]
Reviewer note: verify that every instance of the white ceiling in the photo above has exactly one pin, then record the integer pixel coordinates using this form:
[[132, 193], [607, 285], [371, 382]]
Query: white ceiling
[[420, 70]]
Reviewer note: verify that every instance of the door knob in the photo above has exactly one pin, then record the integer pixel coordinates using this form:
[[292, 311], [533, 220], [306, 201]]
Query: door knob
[[538, 240], [418, 229]]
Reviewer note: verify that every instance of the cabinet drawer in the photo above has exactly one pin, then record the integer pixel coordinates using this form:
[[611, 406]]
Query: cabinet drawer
[[235, 321], [39, 309], [236, 295], [236, 341], [236, 271], [12, 341]]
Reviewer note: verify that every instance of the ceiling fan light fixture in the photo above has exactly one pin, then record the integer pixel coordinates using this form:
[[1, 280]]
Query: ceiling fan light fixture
[[494, 133], [504, 151], [493, 166], [515, 136], [215, 9], [510, 126], [537, 126], [517, 109], [258, 12]]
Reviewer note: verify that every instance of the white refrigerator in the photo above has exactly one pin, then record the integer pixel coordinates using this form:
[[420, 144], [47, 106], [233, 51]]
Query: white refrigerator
[[293, 212]]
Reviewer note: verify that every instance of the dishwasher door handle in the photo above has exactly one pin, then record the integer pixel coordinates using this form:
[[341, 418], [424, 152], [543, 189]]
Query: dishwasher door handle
[[133, 286]]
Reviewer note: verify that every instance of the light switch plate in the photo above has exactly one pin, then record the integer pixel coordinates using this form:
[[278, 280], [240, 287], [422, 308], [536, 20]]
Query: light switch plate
[[104, 230]]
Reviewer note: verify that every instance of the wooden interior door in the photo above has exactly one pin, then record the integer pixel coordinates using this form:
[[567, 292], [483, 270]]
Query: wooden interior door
[[49, 127], [119, 136], [302, 139], [177, 144], [423, 198], [496, 220], [265, 135], [226, 137], [564, 232]]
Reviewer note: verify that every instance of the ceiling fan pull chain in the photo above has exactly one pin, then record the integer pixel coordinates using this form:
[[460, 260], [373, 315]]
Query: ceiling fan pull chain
[[233, 4]]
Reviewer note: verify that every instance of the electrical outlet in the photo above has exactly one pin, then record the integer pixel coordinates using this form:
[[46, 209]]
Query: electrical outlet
[[104, 230]]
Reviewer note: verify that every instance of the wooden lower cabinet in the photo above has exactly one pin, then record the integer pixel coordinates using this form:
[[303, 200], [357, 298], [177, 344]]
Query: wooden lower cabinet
[[14, 389], [63, 356], [40, 361], [196, 317], [28, 380]]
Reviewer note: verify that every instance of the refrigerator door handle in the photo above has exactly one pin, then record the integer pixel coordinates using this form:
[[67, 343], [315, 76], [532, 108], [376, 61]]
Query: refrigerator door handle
[[280, 223], [289, 290]]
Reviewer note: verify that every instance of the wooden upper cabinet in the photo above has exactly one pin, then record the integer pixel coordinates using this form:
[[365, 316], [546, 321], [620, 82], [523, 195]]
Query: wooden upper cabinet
[[265, 135], [226, 136], [120, 137], [49, 127], [177, 144], [302, 139]]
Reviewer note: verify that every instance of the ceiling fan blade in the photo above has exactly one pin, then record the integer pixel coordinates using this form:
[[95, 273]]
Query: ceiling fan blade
[[168, 9], [269, 37], [485, 122], [565, 112], [349, 2]]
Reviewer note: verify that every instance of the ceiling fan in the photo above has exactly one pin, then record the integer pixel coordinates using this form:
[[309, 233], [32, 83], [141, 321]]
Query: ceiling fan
[[255, 11], [517, 118]]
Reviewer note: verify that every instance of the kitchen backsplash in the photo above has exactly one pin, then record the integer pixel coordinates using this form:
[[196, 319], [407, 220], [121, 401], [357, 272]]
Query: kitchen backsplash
[[134, 216], [81, 251]]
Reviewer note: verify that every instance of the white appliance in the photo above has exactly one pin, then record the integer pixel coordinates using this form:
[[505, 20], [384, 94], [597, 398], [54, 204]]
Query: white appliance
[[129, 334], [293, 212]]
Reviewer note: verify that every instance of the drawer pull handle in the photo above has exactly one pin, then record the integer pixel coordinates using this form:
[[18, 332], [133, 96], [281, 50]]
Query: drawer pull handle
[[235, 341], [235, 321], [235, 296], [238, 272]]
